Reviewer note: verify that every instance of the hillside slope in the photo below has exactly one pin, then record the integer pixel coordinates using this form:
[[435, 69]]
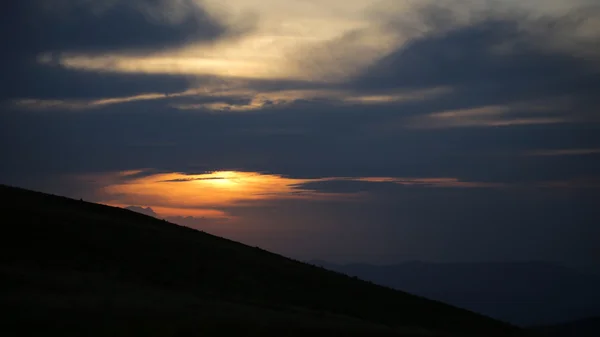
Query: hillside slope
[[588, 327], [522, 293], [80, 268]]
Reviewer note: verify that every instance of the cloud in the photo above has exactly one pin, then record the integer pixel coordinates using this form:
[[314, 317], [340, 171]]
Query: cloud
[[147, 210], [216, 196], [35, 26], [383, 184], [485, 116], [203, 193], [494, 57], [38, 34], [308, 139]]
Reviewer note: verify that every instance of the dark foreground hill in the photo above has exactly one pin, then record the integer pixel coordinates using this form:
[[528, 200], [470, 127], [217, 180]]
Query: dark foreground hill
[[588, 327], [522, 293], [73, 268]]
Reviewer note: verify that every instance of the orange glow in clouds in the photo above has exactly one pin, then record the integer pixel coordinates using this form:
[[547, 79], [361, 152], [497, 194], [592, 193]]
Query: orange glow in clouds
[[208, 195], [177, 194]]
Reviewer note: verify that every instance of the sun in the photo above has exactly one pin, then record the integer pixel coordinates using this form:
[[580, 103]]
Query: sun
[[221, 179], [221, 182]]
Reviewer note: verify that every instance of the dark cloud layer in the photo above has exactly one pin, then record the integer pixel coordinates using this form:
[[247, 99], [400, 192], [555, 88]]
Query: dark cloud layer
[[32, 27], [327, 143], [52, 82], [102, 26], [498, 58]]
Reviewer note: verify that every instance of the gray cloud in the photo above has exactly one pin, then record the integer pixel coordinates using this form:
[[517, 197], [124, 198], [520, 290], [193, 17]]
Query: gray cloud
[[495, 57], [144, 210], [328, 141], [100, 26], [32, 27]]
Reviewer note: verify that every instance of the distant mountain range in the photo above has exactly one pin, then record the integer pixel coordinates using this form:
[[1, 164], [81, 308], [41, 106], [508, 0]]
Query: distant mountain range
[[527, 294]]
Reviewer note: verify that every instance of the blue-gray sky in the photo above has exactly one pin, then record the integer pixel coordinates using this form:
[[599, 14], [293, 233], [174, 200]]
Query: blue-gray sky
[[377, 131]]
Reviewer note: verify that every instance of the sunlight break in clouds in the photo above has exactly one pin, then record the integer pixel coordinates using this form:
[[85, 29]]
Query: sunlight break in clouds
[[176, 194], [284, 29], [204, 195]]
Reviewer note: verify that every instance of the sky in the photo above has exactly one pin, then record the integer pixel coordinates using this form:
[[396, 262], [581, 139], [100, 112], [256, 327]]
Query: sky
[[344, 130]]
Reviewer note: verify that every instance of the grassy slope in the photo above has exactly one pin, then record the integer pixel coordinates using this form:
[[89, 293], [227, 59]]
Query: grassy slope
[[84, 268]]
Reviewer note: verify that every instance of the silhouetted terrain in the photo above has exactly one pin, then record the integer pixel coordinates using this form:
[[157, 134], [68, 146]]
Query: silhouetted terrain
[[588, 327], [78, 268], [529, 293]]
